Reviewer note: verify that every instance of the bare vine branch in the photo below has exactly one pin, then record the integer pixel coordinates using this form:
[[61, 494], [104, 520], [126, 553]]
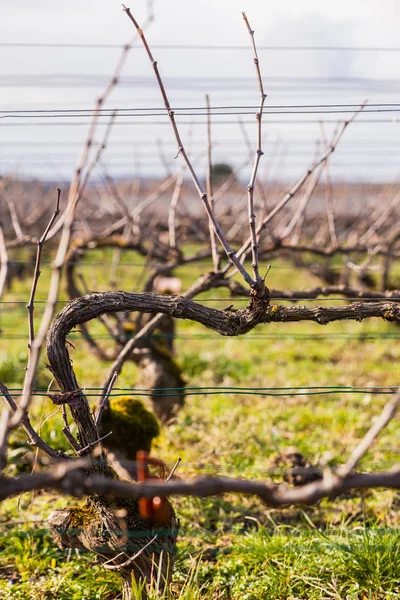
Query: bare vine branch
[[70, 479], [289, 195], [210, 191], [172, 209], [14, 217], [24, 422], [181, 150], [384, 418], [328, 195], [31, 306], [3, 261], [259, 153]]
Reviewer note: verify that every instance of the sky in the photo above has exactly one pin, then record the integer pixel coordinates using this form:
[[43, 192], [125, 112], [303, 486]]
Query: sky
[[54, 78]]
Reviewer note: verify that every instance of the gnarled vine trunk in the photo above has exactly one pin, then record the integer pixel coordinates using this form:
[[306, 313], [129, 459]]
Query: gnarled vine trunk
[[160, 371], [113, 528], [122, 539]]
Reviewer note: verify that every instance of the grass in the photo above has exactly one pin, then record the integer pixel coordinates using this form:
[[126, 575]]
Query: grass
[[231, 547]]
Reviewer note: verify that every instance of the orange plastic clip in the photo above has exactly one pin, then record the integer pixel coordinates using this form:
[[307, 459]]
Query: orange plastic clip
[[155, 508]]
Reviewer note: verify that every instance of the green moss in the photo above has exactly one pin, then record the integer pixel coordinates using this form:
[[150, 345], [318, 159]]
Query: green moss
[[80, 517], [133, 426]]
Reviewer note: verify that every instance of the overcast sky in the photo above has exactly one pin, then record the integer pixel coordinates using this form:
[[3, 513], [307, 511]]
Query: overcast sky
[[48, 77]]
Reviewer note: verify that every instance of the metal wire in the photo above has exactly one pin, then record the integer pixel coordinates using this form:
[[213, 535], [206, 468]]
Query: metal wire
[[217, 390], [212, 47], [196, 263], [198, 113], [215, 122], [201, 110]]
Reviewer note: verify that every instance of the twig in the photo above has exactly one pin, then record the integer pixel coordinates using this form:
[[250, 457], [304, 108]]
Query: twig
[[299, 214], [259, 186], [89, 446], [312, 184], [325, 291], [115, 262], [289, 195], [14, 217], [96, 158], [3, 261], [172, 209], [210, 193], [135, 211], [328, 251], [130, 560], [105, 398], [328, 194], [153, 197], [118, 467], [76, 183], [4, 431], [381, 218], [202, 194], [70, 438], [365, 263], [31, 306], [384, 418], [259, 153], [174, 468], [34, 438], [126, 351], [62, 400], [75, 193], [113, 190]]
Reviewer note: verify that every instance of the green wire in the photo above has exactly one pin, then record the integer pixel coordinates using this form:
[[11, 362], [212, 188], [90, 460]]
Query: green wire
[[213, 390]]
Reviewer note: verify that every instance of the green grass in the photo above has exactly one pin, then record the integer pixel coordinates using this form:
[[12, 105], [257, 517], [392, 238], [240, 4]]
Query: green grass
[[231, 547], [221, 558]]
